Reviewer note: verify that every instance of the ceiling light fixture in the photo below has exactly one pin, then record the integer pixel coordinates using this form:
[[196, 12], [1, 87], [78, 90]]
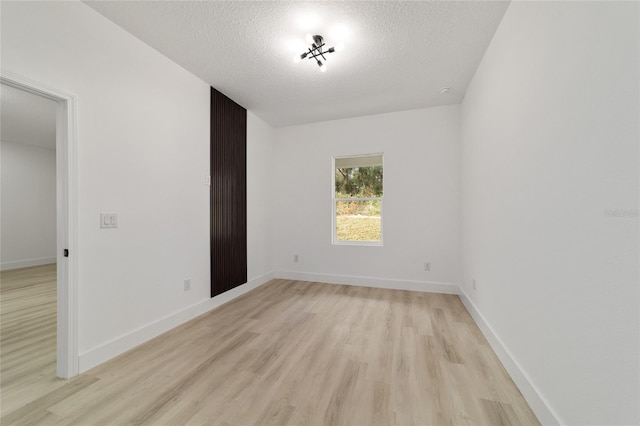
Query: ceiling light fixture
[[316, 51]]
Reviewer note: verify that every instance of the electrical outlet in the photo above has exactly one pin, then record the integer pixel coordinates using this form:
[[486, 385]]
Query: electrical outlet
[[187, 284], [296, 257], [427, 266], [474, 284]]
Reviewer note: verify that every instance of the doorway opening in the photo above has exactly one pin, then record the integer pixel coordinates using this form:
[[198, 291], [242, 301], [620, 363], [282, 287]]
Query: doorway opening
[[65, 218]]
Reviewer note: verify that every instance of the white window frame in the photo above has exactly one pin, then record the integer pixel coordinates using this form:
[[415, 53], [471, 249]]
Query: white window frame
[[334, 239]]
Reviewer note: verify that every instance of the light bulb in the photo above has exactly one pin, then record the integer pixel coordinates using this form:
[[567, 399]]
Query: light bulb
[[309, 38], [296, 58], [323, 68], [339, 47]]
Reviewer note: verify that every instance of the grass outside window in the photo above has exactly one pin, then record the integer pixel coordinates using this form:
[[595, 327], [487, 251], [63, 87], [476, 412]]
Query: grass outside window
[[358, 199]]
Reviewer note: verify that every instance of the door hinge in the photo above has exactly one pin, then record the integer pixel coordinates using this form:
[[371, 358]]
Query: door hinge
[[66, 252]]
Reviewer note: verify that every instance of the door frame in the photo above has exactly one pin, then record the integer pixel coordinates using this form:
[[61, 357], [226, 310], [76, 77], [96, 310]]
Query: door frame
[[67, 356]]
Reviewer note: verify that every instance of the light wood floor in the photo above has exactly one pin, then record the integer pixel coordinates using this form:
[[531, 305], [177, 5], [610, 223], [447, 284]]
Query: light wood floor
[[27, 333], [293, 352]]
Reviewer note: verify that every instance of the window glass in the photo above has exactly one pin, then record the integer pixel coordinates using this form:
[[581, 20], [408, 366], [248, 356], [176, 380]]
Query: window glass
[[357, 199]]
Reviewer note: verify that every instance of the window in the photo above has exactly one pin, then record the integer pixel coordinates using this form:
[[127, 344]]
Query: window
[[357, 200]]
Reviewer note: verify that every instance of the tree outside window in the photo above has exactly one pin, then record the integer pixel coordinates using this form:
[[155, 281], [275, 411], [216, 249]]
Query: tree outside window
[[357, 200]]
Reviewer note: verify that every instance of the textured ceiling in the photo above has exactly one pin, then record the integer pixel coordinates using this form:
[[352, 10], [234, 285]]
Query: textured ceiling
[[397, 54], [27, 118]]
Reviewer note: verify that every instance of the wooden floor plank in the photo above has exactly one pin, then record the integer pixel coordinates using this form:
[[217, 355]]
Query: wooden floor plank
[[289, 352], [27, 335]]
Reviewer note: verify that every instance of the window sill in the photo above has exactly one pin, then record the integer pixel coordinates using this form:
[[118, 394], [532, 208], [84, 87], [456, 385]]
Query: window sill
[[358, 243]]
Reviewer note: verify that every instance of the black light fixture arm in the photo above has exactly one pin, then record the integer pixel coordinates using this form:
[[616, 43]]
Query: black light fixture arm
[[316, 50]]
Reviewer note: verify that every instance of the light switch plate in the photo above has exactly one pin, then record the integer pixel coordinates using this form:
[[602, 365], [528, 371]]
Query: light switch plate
[[108, 220]]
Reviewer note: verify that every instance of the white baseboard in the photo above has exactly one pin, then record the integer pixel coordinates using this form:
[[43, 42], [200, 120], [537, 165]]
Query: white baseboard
[[537, 402], [424, 286], [16, 264], [109, 350]]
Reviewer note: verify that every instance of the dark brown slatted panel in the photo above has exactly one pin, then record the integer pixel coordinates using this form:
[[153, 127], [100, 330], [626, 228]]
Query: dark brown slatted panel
[[228, 194]]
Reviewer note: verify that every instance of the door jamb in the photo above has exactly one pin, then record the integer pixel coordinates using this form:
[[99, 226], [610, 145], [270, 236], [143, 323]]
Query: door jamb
[[67, 356]]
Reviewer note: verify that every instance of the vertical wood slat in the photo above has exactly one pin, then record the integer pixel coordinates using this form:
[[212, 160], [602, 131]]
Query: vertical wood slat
[[228, 194]]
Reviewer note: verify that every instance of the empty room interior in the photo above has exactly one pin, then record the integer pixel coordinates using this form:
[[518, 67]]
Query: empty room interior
[[355, 213]]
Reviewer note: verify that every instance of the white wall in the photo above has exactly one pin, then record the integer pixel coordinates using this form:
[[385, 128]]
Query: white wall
[[550, 144], [260, 140], [143, 153], [421, 194], [28, 205]]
